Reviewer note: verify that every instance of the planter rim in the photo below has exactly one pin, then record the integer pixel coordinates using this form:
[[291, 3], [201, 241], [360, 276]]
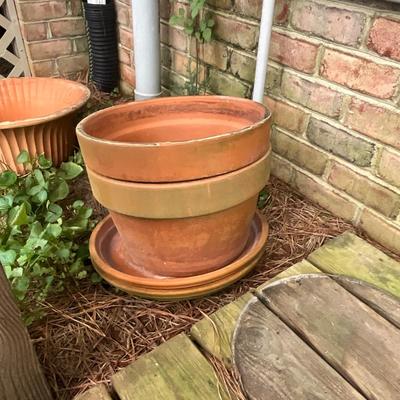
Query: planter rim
[[55, 115], [189, 282], [183, 99], [181, 199]]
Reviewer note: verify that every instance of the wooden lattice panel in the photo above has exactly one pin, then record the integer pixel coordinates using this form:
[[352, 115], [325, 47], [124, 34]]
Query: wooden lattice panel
[[13, 60]]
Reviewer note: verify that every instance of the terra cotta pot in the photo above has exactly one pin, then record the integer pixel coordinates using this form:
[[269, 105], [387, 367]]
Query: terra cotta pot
[[185, 228], [175, 139], [180, 177], [37, 115]]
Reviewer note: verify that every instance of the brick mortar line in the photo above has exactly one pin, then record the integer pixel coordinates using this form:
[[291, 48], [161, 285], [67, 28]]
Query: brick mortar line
[[223, 13], [322, 183], [335, 123], [315, 40], [382, 103], [347, 5], [45, 21], [358, 170], [360, 206], [394, 223], [53, 39]]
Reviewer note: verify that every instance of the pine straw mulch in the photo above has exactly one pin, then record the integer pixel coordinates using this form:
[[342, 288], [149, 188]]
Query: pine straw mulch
[[92, 331]]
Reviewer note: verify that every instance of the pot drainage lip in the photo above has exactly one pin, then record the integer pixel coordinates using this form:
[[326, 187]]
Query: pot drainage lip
[[117, 271]]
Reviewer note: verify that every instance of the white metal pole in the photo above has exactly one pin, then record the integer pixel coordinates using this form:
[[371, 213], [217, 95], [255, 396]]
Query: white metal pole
[[267, 17], [146, 34]]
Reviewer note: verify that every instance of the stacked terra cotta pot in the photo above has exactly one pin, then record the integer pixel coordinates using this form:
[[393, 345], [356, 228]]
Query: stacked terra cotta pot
[[180, 178]]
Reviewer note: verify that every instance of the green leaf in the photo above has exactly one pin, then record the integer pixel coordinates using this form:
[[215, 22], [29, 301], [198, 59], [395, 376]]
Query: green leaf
[[63, 253], [78, 204], [58, 190], [54, 212], [203, 25], [8, 271], [21, 287], [7, 257], [210, 22], [54, 230], [207, 35], [69, 170], [36, 230], [189, 30], [6, 203], [34, 190], [23, 157], [38, 174], [18, 216], [41, 197], [43, 162], [177, 20], [82, 275], [95, 278], [16, 272], [7, 179]]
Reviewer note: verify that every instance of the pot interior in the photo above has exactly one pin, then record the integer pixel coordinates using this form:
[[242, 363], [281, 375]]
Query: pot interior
[[173, 119], [26, 98]]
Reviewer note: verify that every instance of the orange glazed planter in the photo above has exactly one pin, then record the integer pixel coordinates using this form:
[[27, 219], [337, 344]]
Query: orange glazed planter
[[180, 177], [37, 115]]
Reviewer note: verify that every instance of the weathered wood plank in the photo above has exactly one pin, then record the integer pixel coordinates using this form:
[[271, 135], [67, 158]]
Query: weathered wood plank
[[21, 377], [275, 364], [176, 370], [383, 303], [349, 335], [98, 392], [349, 255], [214, 333], [302, 267]]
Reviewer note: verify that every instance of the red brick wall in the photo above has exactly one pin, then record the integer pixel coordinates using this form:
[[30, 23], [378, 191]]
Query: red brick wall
[[54, 36], [125, 47]]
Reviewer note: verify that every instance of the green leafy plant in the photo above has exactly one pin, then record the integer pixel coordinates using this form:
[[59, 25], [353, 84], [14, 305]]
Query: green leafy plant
[[264, 198], [43, 236], [199, 25]]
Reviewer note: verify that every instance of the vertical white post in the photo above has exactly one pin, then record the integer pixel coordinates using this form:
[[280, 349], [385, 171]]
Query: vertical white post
[[267, 17], [146, 34]]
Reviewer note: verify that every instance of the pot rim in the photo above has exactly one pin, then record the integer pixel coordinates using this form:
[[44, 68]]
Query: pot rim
[[80, 127], [49, 117], [182, 282], [181, 199]]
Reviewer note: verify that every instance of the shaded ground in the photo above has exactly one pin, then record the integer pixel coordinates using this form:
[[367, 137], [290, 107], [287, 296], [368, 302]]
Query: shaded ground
[[92, 331]]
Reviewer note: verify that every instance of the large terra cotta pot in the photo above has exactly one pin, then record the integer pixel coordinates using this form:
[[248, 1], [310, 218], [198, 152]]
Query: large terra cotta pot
[[38, 115], [180, 177], [175, 139]]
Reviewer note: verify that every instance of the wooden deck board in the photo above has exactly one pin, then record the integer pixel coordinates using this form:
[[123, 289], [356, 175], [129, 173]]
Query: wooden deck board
[[214, 333], [295, 371], [352, 256], [383, 303], [358, 342], [176, 370], [98, 392], [21, 377]]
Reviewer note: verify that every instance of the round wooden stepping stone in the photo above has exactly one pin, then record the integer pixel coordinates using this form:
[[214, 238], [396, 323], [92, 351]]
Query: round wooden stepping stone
[[317, 337]]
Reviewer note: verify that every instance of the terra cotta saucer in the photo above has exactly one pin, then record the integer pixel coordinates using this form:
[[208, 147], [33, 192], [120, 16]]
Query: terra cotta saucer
[[111, 262]]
